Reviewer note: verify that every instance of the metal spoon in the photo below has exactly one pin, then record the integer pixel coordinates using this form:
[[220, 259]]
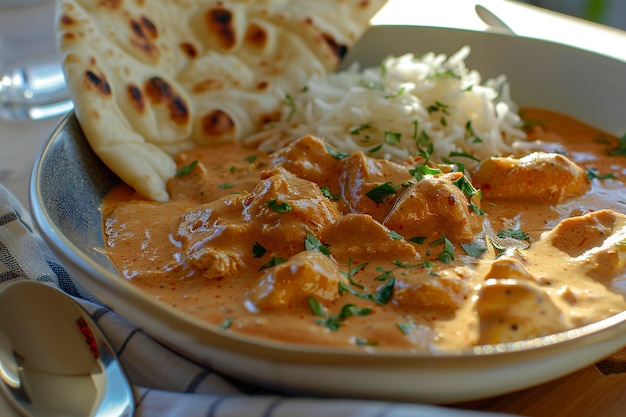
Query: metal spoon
[[54, 361], [492, 20]]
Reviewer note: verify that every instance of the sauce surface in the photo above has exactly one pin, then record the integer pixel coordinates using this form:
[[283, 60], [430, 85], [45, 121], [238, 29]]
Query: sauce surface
[[309, 245]]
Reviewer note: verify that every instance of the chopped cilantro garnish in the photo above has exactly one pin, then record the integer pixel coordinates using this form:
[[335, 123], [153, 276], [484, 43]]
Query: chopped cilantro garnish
[[474, 250], [186, 169], [397, 94], [311, 242], [620, 149], [334, 322], [226, 323], [375, 149], [393, 235], [292, 106], [359, 129], [592, 173], [258, 250], [381, 296], [250, 159], [380, 192], [326, 192], [383, 274], [225, 186], [407, 326], [272, 262], [422, 170], [447, 255], [418, 239], [335, 153], [392, 138], [278, 207], [364, 342], [463, 155], [513, 233]]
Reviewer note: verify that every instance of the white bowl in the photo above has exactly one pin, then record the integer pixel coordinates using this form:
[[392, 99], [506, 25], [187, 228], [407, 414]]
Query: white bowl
[[68, 183]]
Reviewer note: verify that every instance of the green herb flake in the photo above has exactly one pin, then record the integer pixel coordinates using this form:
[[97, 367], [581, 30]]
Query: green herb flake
[[272, 262], [316, 307], [392, 138], [592, 173], [328, 194], [397, 94], [359, 129], [474, 250], [415, 125], [418, 239], [407, 326], [186, 169], [292, 106], [620, 149], [365, 342], [379, 193], [225, 186], [336, 154], [447, 255], [383, 274], [463, 155], [334, 322], [420, 171], [312, 243], [513, 233], [278, 207], [375, 149], [228, 321], [384, 292], [393, 235], [258, 250], [250, 159]]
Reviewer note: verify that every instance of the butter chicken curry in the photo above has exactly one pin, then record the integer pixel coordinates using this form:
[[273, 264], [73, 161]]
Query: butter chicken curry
[[311, 245]]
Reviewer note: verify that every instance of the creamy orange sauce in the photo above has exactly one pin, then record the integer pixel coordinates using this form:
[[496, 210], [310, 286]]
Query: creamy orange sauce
[[290, 247]]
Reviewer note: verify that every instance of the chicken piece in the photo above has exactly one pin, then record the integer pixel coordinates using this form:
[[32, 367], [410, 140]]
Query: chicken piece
[[443, 293], [290, 284], [510, 310], [503, 268], [358, 236], [363, 174], [543, 177], [217, 238], [434, 207], [596, 241], [308, 158]]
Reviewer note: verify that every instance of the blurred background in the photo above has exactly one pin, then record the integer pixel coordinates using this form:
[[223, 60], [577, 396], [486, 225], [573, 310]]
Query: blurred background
[[608, 12]]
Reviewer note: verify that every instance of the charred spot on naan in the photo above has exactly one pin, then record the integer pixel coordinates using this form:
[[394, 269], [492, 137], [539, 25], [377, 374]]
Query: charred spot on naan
[[218, 125], [135, 97], [256, 36], [189, 49], [97, 82], [159, 91], [143, 36], [220, 26]]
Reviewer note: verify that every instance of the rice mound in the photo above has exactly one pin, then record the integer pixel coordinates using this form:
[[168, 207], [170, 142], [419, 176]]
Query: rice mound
[[430, 105]]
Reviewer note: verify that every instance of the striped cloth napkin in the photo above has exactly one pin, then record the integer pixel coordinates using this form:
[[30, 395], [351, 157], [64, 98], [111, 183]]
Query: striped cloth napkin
[[165, 383]]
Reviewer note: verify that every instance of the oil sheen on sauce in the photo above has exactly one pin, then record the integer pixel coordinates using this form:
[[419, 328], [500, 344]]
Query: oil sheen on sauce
[[311, 247]]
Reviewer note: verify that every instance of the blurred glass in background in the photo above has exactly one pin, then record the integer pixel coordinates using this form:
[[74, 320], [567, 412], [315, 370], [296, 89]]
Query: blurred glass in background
[[32, 85]]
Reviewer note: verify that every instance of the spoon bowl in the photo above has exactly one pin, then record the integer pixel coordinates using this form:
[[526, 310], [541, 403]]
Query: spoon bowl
[[54, 360]]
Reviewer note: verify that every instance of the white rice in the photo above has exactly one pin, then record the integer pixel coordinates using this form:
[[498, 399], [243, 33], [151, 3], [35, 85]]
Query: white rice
[[385, 111]]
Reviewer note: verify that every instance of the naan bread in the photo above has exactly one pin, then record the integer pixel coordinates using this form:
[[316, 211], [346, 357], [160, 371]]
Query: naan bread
[[152, 78]]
